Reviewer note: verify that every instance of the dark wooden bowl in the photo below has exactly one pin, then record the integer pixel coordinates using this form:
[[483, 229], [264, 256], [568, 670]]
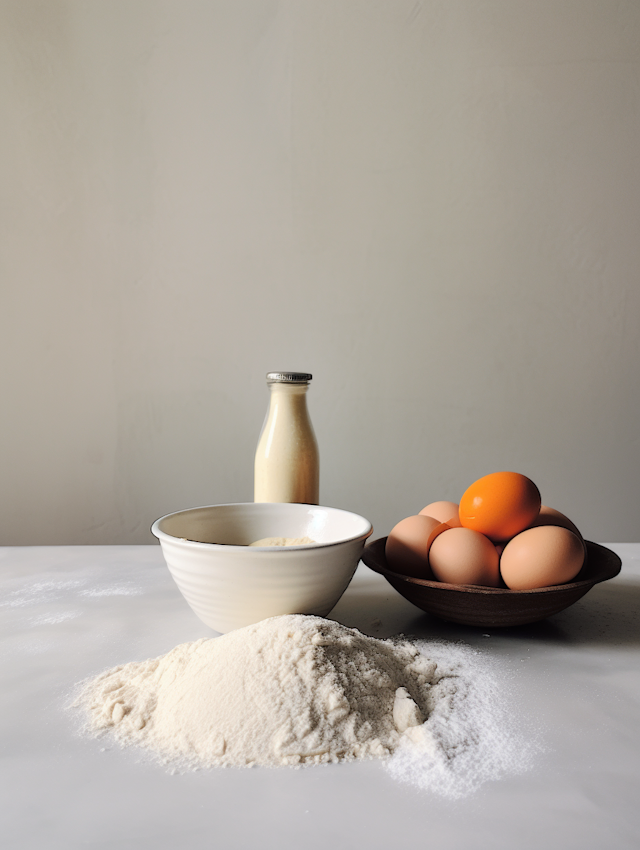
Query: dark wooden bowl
[[472, 605]]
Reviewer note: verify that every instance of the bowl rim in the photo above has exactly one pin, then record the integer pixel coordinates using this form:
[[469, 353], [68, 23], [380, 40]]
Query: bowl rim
[[603, 575], [226, 547]]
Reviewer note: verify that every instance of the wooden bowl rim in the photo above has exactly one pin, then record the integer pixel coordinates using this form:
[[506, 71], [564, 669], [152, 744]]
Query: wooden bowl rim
[[605, 572]]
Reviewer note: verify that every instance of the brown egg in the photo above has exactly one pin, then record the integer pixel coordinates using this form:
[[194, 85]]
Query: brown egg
[[464, 556], [550, 516], [443, 512], [407, 546], [542, 556]]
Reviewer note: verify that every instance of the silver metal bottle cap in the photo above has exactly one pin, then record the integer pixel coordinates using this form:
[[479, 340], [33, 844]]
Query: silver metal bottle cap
[[288, 377]]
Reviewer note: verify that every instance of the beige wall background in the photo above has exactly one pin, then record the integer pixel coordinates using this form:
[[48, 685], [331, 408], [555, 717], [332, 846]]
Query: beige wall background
[[432, 206]]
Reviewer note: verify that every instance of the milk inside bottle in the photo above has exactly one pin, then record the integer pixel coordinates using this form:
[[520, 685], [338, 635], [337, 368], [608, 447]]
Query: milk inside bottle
[[287, 462]]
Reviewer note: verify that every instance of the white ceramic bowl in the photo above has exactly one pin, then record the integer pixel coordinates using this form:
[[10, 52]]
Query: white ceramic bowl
[[229, 584]]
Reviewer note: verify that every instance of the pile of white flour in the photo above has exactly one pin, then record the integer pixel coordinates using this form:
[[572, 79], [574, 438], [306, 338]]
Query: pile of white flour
[[297, 690]]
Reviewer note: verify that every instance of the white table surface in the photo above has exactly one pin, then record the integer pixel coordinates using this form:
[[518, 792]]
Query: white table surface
[[68, 612]]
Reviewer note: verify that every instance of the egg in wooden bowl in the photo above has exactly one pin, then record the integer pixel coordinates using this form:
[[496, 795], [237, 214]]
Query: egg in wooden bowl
[[490, 607], [499, 558]]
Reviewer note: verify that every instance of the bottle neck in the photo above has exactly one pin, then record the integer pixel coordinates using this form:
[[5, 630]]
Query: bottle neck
[[290, 395]]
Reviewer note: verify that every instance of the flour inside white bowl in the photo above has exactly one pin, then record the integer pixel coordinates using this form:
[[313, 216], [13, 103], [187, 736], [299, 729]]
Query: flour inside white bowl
[[283, 541], [297, 690]]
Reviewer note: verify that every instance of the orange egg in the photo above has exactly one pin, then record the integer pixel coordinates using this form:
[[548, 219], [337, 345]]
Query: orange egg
[[442, 511], [500, 505], [541, 557], [463, 556], [407, 546]]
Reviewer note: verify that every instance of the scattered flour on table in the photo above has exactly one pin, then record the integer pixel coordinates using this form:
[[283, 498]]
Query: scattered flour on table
[[45, 592], [54, 619], [39, 592], [114, 590], [299, 690]]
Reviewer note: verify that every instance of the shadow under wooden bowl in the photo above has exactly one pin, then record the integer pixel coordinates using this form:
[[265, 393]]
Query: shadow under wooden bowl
[[472, 605]]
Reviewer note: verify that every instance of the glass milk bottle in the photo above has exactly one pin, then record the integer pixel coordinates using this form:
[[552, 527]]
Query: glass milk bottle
[[287, 464]]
